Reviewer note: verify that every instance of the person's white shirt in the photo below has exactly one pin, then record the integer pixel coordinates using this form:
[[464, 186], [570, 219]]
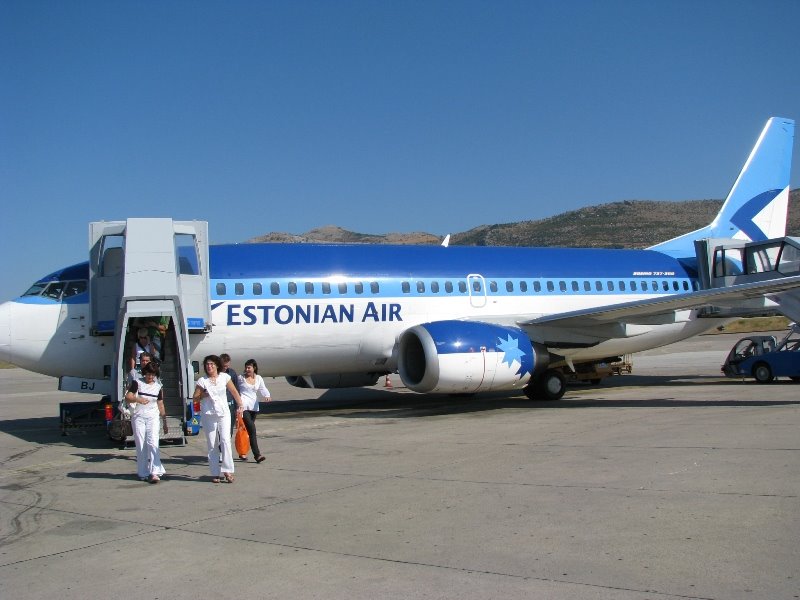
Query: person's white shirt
[[215, 400], [250, 393], [151, 392]]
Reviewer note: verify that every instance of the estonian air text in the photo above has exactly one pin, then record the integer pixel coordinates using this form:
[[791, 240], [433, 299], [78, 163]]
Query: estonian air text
[[295, 314]]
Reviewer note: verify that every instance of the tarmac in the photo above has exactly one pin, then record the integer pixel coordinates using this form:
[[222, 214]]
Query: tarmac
[[672, 482]]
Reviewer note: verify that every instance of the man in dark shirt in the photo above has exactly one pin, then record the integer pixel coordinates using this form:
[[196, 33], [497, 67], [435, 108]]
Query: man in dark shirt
[[226, 368]]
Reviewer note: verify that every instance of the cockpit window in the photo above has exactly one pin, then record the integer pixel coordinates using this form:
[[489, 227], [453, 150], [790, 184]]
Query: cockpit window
[[35, 289], [74, 288], [54, 290], [57, 290]]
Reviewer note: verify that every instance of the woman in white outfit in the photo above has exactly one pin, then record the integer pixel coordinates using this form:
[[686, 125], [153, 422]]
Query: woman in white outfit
[[145, 396], [215, 417], [251, 385]]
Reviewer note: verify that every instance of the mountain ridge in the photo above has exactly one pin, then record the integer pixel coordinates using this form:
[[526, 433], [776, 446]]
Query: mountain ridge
[[621, 224]]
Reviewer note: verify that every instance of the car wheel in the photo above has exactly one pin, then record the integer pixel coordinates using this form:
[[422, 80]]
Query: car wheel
[[762, 373]]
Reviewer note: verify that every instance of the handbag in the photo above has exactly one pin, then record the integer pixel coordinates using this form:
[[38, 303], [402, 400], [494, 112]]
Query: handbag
[[242, 438], [120, 428]]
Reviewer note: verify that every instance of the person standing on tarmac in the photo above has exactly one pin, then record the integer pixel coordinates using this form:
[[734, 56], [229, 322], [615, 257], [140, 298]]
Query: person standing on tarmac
[[146, 397], [251, 385], [215, 416]]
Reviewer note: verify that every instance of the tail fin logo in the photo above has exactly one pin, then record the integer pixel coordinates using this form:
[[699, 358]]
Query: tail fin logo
[[745, 217]]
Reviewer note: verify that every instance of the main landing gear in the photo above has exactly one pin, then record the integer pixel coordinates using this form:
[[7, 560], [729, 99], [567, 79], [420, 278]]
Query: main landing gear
[[550, 385]]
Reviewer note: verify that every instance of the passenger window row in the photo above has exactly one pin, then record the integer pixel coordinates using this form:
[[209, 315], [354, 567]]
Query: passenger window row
[[563, 286], [309, 288], [461, 287]]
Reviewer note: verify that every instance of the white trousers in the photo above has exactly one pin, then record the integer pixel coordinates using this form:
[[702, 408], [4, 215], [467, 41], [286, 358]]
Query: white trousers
[[146, 429], [217, 430]]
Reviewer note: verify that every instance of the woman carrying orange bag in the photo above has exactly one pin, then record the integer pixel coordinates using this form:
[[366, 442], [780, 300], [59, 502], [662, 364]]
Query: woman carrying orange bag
[[251, 385]]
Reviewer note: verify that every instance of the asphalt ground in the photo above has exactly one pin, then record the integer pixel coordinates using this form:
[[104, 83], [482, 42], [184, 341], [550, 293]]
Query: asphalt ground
[[672, 482]]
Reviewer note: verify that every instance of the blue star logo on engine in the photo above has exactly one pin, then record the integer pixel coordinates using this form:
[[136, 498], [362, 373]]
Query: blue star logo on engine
[[510, 348]]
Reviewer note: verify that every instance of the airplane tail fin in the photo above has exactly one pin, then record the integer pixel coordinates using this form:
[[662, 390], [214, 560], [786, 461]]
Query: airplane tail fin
[[757, 205]]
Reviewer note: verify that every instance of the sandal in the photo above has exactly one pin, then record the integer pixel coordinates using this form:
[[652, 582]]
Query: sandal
[[154, 479], [228, 477], [215, 480], [242, 457]]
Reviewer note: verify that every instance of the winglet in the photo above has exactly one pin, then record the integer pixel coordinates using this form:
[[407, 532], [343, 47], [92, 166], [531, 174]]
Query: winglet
[[757, 204]]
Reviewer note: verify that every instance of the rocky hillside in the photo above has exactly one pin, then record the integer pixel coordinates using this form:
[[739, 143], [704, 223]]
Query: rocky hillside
[[628, 224], [331, 234]]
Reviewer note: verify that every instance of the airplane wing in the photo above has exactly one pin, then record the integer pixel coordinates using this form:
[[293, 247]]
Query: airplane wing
[[581, 328]]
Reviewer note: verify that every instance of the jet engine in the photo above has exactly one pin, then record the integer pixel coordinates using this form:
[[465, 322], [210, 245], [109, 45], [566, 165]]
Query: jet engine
[[466, 357]]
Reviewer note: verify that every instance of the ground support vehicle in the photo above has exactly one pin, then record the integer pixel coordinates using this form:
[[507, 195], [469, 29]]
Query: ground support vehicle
[[764, 358], [622, 366], [84, 415], [594, 373]]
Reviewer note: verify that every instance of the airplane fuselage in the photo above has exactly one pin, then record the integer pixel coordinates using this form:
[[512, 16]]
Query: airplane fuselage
[[341, 309]]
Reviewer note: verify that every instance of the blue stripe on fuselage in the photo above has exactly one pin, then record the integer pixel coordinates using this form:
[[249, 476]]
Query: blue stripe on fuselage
[[309, 261]]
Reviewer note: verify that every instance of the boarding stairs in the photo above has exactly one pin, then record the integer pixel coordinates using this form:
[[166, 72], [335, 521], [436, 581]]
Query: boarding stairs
[[147, 273]]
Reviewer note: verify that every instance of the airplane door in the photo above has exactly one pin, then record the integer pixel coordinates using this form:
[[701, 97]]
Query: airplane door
[[476, 285]]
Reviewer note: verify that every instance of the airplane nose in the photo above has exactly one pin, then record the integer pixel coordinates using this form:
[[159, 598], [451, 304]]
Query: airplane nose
[[5, 331]]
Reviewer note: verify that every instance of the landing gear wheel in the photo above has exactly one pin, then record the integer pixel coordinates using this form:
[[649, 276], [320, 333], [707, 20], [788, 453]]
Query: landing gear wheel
[[550, 385], [762, 373]]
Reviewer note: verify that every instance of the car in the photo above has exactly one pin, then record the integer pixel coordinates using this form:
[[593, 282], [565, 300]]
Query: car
[[764, 358]]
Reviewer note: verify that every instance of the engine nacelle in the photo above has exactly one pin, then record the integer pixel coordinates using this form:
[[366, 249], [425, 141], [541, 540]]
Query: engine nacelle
[[466, 357], [327, 381]]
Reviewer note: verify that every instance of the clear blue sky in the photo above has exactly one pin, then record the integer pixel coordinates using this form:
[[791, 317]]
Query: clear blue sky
[[376, 116]]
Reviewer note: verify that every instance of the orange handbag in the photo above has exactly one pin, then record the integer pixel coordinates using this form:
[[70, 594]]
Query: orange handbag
[[242, 439]]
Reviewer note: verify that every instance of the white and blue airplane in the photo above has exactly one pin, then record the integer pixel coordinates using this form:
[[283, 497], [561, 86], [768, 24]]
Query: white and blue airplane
[[448, 319]]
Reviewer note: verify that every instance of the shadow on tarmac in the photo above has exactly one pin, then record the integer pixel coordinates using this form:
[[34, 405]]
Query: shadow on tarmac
[[372, 403], [169, 462], [133, 478]]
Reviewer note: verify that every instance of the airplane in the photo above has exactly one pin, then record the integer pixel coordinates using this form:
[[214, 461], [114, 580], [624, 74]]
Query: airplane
[[449, 319]]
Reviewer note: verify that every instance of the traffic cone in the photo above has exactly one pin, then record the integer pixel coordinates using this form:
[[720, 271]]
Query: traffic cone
[[387, 383]]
